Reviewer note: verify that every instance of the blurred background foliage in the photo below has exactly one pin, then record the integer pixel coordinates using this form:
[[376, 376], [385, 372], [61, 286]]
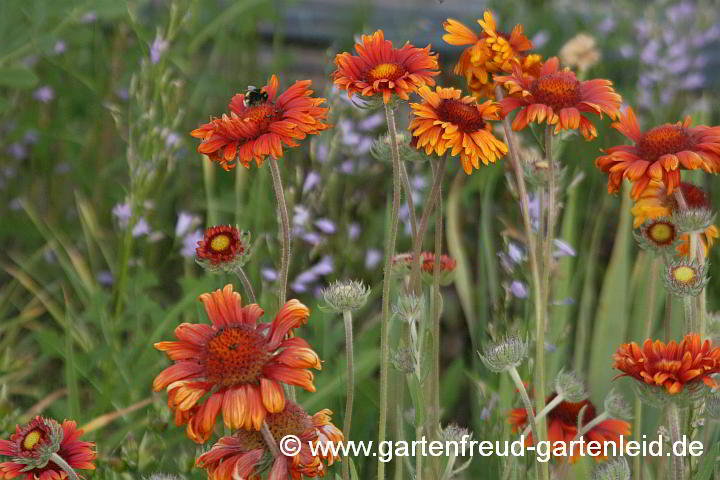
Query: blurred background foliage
[[103, 197]]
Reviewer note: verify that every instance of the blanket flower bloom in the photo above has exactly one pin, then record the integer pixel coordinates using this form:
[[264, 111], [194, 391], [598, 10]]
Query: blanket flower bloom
[[659, 153], [671, 367], [654, 202], [490, 52], [262, 123], [558, 98], [33, 446], [223, 246], [380, 69], [242, 455], [562, 426], [446, 120], [240, 362]]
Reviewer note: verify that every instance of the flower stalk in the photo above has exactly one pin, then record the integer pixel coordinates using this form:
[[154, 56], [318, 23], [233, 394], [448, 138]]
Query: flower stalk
[[60, 462], [677, 462], [242, 276], [270, 440], [285, 222], [350, 385], [530, 411]]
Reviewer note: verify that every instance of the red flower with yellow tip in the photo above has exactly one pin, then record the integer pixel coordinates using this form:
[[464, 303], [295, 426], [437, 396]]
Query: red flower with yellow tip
[[242, 455], [236, 363], [659, 153], [447, 121], [671, 367], [380, 69], [491, 51], [558, 98], [262, 123], [562, 422], [32, 449]]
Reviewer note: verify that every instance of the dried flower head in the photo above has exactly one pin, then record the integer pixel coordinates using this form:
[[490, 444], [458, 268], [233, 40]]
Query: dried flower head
[[614, 469], [346, 295], [504, 354], [403, 359], [685, 277], [570, 386], [32, 447], [455, 433], [580, 52], [223, 248]]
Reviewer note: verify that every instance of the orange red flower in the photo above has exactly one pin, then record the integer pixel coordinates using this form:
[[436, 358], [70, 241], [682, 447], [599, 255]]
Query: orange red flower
[[241, 455], [447, 121], [558, 98], [236, 363], [490, 52], [659, 153], [380, 69], [31, 448], [673, 366], [562, 424], [447, 263], [654, 202], [260, 125], [220, 244]]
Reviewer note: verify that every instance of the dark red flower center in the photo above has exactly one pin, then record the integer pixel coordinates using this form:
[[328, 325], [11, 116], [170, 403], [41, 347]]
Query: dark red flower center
[[568, 412], [661, 233], [695, 197], [386, 71], [558, 90], [236, 355], [465, 116], [663, 140], [291, 421]]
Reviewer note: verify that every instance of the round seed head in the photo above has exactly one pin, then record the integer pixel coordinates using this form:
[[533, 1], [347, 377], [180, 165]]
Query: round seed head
[[455, 433], [504, 354], [614, 469], [693, 220], [345, 295], [684, 277], [616, 406], [570, 386]]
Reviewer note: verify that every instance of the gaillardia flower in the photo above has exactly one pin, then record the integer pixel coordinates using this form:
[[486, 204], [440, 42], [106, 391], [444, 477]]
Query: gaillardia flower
[[237, 361], [558, 98], [244, 454], [262, 123], [34, 446], [671, 367], [562, 422], [447, 121], [402, 264], [380, 69], [223, 247], [490, 52], [659, 153], [654, 203]]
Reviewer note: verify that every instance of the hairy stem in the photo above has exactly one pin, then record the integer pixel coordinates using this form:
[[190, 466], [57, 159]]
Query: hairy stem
[[677, 463], [408, 193], [543, 413], [347, 317], [528, 407], [389, 253], [285, 220], [60, 462], [240, 272], [270, 440]]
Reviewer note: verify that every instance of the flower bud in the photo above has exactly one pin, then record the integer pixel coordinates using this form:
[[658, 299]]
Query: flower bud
[[347, 295], [381, 148], [504, 354], [685, 277], [614, 469], [403, 361], [570, 387], [616, 406], [658, 235], [409, 308]]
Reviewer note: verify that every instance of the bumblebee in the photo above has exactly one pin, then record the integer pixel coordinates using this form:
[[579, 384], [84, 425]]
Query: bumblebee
[[254, 96]]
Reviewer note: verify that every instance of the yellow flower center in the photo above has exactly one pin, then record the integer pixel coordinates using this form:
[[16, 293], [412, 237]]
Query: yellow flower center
[[220, 242], [236, 355], [662, 233], [557, 90], [32, 439], [663, 140], [386, 71], [684, 274], [465, 116]]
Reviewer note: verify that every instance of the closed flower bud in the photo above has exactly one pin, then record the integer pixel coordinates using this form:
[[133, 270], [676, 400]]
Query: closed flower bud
[[504, 354], [616, 406], [455, 433], [347, 295], [403, 361], [570, 386], [409, 308], [614, 469], [685, 277]]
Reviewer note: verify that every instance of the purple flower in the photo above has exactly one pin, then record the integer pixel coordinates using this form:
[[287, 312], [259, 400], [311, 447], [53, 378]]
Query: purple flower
[[301, 215], [324, 266], [627, 51], [141, 228], [190, 242], [122, 212], [693, 81], [172, 140], [607, 25], [313, 238], [354, 231], [372, 122], [325, 225], [31, 137], [44, 94], [158, 48], [540, 39], [17, 150], [89, 17], [105, 278], [311, 181], [372, 258], [269, 274], [563, 249], [515, 253], [185, 222], [60, 47], [308, 276], [518, 289]]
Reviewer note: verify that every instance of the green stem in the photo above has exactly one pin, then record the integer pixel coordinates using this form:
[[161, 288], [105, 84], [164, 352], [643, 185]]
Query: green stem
[[347, 317], [408, 194], [677, 463], [240, 272], [60, 462], [529, 408], [539, 378], [548, 408], [436, 313], [285, 221], [592, 424], [389, 253]]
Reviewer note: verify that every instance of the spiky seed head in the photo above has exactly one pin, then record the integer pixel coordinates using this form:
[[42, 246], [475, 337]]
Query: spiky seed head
[[685, 277], [409, 308], [616, 406], [614, 469], [658, 235], [455, 433], [403, 360], [693, 220], [570, 386], [345, 295], [504, 354], [381, 148]]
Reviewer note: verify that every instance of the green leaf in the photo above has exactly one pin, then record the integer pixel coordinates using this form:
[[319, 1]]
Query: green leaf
[[17, 77], [708, 466]]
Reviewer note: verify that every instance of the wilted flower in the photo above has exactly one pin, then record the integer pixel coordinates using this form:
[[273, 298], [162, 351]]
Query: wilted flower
[[580, 52], [504, 354], [347, 295]]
